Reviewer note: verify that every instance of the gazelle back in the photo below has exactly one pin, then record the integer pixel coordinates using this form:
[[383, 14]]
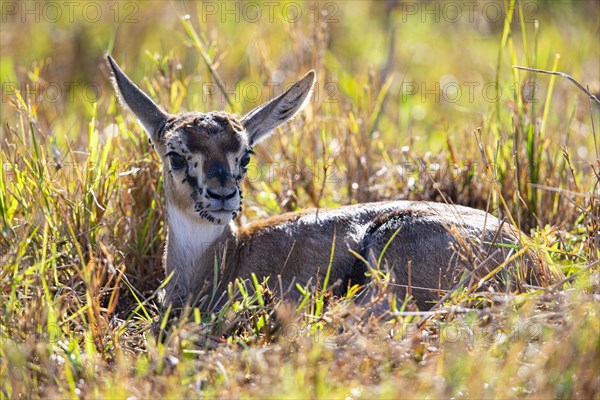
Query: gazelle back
[[428, 246]]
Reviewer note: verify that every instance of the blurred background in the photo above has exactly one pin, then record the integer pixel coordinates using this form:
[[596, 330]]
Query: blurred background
[[437, 61]]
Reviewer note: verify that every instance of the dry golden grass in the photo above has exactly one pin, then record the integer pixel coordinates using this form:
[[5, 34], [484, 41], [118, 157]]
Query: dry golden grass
[[82, 212]]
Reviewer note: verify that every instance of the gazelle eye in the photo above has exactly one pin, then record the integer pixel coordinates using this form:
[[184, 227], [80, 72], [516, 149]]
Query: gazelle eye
[[177, 160], [246, 158]]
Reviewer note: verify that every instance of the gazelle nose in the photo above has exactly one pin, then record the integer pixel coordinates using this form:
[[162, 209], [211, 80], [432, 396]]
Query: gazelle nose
[[219, 173], [221, 193]]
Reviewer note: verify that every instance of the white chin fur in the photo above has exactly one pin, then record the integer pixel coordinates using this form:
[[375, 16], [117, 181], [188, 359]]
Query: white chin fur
[[221, 217]]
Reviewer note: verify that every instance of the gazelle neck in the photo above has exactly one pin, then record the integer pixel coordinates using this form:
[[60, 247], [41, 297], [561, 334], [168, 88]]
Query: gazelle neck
[[189, 246]]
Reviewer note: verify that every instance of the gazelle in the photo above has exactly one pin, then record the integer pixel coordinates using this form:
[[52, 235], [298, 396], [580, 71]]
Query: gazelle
[[428, 246]]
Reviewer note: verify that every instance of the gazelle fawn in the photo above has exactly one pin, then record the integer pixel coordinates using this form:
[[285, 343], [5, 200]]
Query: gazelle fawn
[[426, 247]]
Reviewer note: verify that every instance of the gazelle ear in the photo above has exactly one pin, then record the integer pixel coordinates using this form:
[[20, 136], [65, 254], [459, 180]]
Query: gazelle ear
[[147, 112], [261, 121]]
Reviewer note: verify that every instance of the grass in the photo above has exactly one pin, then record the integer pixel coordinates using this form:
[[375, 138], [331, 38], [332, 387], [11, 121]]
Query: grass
[[81, 200]]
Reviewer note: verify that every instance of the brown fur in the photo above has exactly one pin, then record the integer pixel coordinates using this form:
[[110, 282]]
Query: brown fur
[[438, 241]]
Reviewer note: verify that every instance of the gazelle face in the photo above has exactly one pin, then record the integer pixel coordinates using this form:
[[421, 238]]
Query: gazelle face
[[205, 155]]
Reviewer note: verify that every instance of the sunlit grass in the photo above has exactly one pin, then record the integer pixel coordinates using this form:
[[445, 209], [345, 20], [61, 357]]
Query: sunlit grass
[[81, 201]]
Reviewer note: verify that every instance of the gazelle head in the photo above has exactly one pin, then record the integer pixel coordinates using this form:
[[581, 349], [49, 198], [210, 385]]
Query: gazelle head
[[205, 155]]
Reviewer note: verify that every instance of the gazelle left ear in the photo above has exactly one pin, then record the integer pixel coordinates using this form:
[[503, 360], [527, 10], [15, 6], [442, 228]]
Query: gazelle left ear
[[146, 110], [261, 121]]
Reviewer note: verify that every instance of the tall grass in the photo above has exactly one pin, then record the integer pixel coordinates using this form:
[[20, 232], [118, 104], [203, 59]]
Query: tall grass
[[81, 201]]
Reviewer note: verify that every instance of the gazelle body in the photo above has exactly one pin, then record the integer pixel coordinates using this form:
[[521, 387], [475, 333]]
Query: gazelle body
[[428, 246]]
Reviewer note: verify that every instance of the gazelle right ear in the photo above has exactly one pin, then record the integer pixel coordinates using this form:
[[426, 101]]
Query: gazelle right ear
[[260, 122], [147, 112]]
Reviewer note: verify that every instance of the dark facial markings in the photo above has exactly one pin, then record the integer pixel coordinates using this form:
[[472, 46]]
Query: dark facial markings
[[215, 135], [205, 128]]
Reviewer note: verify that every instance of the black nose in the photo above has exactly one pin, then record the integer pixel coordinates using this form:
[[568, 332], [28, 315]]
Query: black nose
[[221, 193], [218, 172]]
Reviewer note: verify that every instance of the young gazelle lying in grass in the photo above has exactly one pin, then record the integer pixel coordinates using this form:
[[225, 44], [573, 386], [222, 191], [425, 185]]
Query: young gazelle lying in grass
[[426, 247]]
